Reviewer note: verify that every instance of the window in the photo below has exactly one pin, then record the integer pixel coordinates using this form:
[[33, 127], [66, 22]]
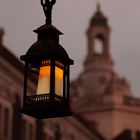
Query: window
[[23, 130], [5, 119], [28, 128], [48, 133], [31, 129], [5, 122], [98, 46]]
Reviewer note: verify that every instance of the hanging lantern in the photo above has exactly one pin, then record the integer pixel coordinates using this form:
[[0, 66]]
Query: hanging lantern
[[49, 64]]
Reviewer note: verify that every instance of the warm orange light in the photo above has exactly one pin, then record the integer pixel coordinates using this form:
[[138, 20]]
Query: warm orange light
[[44, 80], [58, 81], [45, 70]]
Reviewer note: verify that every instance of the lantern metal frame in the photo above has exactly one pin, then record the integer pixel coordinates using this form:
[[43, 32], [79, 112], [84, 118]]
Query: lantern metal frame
[[47, 48]]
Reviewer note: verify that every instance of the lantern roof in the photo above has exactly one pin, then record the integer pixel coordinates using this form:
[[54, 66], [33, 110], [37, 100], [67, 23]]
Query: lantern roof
[[46, 49], [48, 28]]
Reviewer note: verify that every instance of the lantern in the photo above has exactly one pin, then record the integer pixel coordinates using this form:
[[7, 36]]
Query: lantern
[[48, 64]]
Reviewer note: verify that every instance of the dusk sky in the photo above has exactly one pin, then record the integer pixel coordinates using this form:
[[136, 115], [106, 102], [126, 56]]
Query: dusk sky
[[21, 17]]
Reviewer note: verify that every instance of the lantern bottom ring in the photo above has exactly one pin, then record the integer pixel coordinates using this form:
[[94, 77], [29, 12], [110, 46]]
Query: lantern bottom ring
[[50, 109]]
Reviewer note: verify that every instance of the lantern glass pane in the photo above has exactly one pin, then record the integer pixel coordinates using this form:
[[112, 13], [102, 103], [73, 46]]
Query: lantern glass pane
[[59, 79], [44, 78], [32, 73]]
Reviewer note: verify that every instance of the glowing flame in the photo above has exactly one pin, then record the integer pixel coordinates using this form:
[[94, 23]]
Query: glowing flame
[[44, 80]]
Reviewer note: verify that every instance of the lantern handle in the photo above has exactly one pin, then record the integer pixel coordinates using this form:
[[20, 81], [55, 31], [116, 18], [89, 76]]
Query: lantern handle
[[47, 7]]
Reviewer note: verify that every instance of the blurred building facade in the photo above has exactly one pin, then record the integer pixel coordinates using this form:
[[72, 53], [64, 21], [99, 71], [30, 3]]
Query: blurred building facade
[[102, 102]]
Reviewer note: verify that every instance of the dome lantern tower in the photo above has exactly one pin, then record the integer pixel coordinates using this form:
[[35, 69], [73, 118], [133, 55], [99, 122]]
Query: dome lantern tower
[[98, 37]]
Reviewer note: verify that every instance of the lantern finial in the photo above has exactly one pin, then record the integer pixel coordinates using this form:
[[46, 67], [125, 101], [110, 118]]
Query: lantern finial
[[47, 7], [98, 5]]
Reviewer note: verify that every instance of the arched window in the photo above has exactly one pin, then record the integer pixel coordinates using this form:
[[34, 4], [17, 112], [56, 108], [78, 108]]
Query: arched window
[[28, 128], [5, 119], [98, 46]]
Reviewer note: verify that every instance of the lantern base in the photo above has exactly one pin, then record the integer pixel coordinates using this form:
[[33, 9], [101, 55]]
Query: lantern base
[[47, 110]]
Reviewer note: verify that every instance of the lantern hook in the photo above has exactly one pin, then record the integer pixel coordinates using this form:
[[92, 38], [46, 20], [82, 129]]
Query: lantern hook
[[47, 7]]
